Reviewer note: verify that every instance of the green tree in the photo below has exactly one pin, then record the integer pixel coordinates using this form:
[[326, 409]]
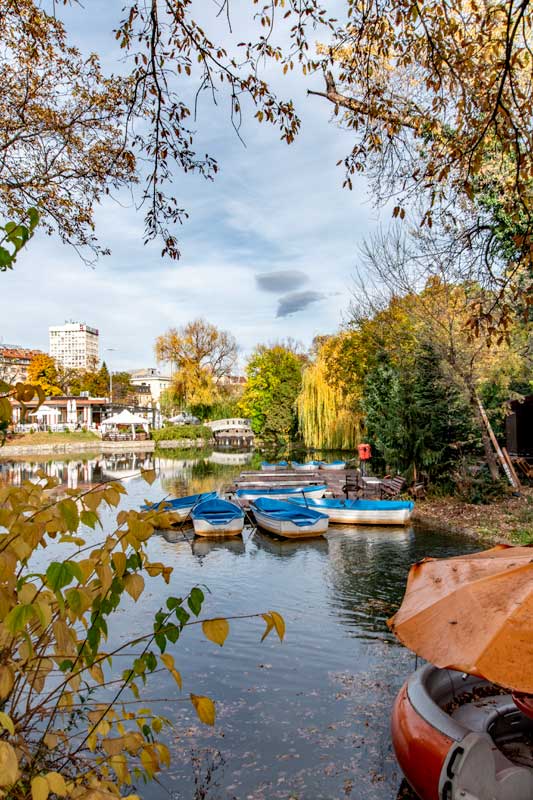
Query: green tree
[[274, 380], [416, 420]]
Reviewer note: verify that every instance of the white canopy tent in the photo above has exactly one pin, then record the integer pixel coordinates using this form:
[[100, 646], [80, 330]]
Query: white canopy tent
[[126, 418]]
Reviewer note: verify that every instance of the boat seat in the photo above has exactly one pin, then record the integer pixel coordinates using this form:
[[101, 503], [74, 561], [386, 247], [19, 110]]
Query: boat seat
[[480, 715]]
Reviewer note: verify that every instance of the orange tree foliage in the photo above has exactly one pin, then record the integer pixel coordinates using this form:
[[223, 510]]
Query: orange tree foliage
[[42, 371], [70, 133], [66, 724]]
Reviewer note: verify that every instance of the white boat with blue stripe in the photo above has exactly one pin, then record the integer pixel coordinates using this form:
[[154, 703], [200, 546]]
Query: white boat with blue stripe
[[314, 490], [180, 507], [277, 465], [333, 464], [217, 517], [288, 520], [361, 512], [309, 466]]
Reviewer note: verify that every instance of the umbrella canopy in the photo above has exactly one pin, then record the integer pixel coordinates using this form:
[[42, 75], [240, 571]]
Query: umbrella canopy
[[474, 614], [125, 418]]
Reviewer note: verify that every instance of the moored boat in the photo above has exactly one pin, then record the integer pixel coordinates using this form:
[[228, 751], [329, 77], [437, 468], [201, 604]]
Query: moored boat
[[217, 517], [361, 512], [332, 464], [266, 465], [309, 466], [314, 490], [288, 520], [457, 736], [180, 507]]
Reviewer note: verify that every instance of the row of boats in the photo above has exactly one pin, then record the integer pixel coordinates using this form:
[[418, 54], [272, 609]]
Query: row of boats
[[308, 466], [292, 513]]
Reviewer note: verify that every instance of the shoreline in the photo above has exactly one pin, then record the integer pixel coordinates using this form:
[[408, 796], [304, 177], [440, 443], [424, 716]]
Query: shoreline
[[101, 446]]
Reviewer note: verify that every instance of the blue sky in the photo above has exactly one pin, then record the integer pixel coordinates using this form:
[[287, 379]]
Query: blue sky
[[268, 250]]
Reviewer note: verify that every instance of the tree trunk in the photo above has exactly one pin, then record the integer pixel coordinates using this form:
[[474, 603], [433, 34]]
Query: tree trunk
[[487, 444]]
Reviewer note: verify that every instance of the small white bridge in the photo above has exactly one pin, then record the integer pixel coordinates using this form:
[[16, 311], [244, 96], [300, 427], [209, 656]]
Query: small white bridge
[[233, 425], [234, 432]]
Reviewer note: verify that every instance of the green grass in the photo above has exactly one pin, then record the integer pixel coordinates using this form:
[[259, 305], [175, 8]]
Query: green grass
[[177, 432], [44, 437]]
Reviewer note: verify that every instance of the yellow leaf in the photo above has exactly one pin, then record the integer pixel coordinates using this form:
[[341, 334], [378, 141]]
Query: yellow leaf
[[149, 475], [7, 679], [97, 674], [279, 624], [9, 768], [120, 766], [205, 708], [51, 740], [119, 561], [7, 723], [57, 784], [269, 625], [39, 788], [150, 761], [177, 677], [216, 630], [134, 585]]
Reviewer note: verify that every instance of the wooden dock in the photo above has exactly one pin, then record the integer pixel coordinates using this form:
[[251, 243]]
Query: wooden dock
[[335, 479]]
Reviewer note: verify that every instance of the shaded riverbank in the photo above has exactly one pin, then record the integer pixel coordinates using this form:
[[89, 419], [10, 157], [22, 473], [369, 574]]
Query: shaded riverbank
[[508, 520]]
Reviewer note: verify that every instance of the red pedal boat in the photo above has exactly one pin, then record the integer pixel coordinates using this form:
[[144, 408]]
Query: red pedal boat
[[458, 737]]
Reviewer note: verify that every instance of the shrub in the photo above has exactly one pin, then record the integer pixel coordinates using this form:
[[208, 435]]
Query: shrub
[[60, 733], [182, 432]]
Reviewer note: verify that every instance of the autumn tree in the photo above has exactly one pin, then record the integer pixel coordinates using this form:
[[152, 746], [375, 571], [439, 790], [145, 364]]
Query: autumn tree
[[273, 382], [72, 134], [43, 372], [438, 97], [202, 355]]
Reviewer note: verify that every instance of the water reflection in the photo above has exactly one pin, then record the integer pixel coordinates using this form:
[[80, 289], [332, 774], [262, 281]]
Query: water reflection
[[287, 548], [306, 719]]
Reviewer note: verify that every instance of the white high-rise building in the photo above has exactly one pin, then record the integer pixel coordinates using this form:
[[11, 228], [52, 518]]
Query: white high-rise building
[[74, 344]]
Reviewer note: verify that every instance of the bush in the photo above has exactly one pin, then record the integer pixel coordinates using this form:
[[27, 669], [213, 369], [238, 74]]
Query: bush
[[61, 732], [182, 432]]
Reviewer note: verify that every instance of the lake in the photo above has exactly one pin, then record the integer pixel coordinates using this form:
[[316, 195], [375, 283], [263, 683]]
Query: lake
[[307, 719]]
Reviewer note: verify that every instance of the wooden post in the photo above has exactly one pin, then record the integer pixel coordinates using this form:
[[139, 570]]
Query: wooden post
[[512, 480], [511, 467]]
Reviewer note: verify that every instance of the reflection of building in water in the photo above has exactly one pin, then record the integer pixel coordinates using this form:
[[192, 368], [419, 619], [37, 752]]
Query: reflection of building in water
[[230, 458], [120, 466], [73, 474]]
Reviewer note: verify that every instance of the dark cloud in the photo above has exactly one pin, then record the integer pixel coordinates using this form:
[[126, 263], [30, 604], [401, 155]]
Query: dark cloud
[[283, 281], [297, 301]]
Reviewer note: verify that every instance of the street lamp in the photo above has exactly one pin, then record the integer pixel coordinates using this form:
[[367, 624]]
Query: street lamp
[[111, 350]]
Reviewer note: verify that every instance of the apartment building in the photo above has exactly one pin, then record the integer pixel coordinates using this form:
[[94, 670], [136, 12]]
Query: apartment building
[[14, 362], [74, 344]]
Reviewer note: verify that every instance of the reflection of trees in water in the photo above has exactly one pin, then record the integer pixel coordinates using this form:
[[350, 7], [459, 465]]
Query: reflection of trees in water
[[369, 568], [200, 475]]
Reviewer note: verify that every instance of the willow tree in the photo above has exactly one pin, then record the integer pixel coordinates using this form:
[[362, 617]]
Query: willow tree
[[325, 418]]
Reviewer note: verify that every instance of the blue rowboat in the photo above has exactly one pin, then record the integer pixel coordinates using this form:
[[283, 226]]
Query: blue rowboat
[[361, 512], [266, 465], [309, 466], [217, 517], [181, 507], [333, 465], [288, 520], [315, 490]]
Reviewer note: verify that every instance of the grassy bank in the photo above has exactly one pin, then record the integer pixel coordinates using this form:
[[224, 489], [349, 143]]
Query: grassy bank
[[508, 520], [43, 437]]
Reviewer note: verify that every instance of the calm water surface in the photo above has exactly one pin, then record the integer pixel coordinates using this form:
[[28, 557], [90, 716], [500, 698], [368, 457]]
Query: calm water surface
[[307, 719]]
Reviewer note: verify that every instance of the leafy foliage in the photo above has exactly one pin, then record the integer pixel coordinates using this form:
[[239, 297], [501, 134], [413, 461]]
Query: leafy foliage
[[67, 724], [273, 382], [16, 235], [43, 372], [182, 432]]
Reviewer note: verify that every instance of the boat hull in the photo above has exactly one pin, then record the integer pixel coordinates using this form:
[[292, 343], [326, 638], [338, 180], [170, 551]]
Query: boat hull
[[305, 467], [232, 528], [288, 529], [448, 749], [340, 466], [349, 516]]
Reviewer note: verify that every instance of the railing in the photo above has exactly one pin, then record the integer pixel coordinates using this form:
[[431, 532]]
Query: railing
[[233, 424]]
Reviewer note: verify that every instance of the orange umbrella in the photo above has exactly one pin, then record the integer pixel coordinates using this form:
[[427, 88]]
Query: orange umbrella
[[473, 613]]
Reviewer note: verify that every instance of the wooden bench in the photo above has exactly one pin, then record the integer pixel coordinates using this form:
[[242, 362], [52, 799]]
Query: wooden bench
[[391, 487]]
